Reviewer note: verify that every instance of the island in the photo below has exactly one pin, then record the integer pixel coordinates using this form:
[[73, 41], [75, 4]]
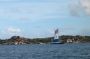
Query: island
[[17, 40]]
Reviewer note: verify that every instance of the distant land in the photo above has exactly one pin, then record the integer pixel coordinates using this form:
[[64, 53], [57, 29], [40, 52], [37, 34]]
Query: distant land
[[17, 40]]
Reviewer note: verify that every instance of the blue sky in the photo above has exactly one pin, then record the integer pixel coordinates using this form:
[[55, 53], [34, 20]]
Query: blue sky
[[39, 18]]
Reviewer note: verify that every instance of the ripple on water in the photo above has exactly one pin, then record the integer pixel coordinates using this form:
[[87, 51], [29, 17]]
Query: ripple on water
[[48, 51]]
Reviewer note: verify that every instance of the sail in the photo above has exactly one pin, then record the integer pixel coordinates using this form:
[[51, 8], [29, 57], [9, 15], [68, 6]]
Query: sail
[[56, 37], [56, 31]]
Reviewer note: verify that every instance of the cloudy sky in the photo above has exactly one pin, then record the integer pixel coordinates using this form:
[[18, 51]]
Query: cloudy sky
[[39, 18]]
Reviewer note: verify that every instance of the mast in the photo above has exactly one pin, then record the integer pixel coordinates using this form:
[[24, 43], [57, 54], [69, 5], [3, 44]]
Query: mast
[[56, 34]]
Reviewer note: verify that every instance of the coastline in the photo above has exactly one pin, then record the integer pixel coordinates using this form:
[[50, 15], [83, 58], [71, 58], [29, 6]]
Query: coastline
[[17, 40]]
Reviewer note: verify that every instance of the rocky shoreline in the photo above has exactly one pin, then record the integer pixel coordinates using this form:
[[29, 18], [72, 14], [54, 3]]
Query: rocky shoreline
[[17, 40]]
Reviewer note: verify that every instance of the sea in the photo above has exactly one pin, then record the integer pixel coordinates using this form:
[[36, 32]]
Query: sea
[[46, 51]]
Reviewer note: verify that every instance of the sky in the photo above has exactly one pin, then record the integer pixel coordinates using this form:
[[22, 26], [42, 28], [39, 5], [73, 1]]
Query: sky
[[39, 18]]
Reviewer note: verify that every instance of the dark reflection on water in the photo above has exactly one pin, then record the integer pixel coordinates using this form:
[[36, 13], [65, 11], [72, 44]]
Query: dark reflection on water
[[46, 51]]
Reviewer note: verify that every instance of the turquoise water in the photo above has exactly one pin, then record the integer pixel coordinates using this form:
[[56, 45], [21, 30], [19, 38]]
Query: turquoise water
[[45, 51]]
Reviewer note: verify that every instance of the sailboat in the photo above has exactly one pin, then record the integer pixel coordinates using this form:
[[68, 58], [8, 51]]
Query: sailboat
[[56, 39]]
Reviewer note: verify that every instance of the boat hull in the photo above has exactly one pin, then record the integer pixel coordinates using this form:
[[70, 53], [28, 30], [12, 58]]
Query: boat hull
[[56, 43]]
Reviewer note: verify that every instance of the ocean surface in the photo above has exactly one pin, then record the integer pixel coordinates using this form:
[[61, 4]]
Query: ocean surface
[[46, 51]]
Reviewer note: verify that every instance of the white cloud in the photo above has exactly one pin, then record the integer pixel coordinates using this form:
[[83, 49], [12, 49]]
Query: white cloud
[[79, 7], [86, 6], [13, 30]]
